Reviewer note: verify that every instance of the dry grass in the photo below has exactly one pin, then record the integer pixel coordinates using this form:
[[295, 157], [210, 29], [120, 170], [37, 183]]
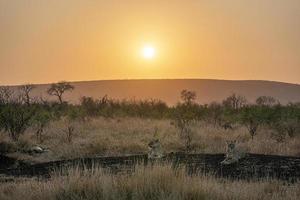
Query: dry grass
[[157, 182], [130, 136], [121, 136]]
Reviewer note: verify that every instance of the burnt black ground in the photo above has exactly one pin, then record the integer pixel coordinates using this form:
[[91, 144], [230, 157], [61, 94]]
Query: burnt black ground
[[253, 166]]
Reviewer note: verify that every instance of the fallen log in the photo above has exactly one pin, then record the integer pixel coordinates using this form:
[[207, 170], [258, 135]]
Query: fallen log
[[253, 166]]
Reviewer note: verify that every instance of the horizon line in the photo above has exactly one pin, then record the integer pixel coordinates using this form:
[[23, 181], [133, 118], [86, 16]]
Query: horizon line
[[149, 79]]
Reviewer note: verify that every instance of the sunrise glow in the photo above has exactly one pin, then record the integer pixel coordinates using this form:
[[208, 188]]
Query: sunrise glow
[[94, 40], [148, 52]]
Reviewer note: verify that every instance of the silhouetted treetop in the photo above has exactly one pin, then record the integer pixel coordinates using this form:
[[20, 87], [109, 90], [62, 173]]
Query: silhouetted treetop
[[58, 89]]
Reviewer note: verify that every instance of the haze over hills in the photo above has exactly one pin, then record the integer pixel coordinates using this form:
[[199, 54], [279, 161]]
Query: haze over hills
[[168, 90]]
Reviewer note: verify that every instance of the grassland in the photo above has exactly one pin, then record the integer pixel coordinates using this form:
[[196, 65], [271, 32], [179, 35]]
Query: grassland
[[120, 136], [156, 182]]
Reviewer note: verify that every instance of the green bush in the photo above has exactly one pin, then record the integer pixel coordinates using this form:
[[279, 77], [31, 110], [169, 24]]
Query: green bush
[[15, 119]]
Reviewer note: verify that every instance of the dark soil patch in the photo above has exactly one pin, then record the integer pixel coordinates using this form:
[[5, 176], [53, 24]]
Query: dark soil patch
[[254, 166], [7, 162]]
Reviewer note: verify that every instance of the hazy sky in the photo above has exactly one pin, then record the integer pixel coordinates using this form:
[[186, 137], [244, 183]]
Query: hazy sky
[[51, 40]]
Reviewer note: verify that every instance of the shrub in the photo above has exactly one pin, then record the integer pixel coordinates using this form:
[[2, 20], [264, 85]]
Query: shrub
[[41, 119], [15, 119], [184, 116], [251, 117]]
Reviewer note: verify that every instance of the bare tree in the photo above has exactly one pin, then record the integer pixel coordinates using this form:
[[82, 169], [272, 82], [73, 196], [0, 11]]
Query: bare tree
[[58, 89], [235, 101], [6, 95], [25, 93], [188, 96]]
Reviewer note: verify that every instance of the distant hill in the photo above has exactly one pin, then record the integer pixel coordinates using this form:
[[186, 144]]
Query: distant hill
[[169, 90]]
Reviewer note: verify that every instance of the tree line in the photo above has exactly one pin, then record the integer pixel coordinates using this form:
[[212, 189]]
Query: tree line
[[20, 110]]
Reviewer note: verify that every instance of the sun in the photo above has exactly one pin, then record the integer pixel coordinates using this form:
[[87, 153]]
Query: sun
[[148, 52]]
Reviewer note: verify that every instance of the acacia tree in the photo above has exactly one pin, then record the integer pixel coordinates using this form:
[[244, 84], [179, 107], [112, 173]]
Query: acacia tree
[[188, 96], [25, 93], [58, 89]]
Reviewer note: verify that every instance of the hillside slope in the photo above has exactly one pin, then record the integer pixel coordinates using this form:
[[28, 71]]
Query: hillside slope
[[169, 90]]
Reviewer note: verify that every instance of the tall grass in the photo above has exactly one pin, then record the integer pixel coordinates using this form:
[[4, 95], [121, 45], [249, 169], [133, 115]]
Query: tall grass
[[156, 182], [119, 136]]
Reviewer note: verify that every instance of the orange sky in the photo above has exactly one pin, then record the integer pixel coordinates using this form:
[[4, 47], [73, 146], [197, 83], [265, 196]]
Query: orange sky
[[51, 40]]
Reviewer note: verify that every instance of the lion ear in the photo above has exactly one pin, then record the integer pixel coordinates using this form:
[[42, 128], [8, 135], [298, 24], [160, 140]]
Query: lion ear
[[234, 141]]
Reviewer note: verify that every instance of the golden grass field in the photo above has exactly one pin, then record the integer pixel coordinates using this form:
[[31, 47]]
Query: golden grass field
[[120, 136], [156, 182]]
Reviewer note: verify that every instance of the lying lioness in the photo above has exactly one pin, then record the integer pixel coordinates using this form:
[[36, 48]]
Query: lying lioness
[[233, 153], [155, 149]]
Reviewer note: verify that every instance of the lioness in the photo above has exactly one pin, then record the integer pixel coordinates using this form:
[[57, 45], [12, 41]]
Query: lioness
[[155, 149], [233, 153]]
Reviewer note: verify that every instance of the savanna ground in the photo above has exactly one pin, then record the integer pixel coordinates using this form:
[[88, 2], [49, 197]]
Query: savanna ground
[[120, 136], [157, 182]]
